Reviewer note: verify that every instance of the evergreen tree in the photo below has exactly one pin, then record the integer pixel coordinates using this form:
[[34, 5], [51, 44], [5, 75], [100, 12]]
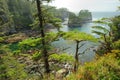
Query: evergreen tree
[[6, 22], [108, 32], [44, 51], [21, 13], [78, 37]]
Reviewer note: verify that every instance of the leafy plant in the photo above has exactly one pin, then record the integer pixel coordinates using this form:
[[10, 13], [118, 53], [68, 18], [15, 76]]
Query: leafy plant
[[109, 33], [11, 69], [37, 56], [13, 46], [1, 39], [29, 43], [16, 53], [61, 57], [78, 37], [116, 44], [105, 33], [2, 70], [106, 67]]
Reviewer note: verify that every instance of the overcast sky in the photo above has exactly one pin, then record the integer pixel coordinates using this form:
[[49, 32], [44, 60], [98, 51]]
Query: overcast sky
[[92, 5]]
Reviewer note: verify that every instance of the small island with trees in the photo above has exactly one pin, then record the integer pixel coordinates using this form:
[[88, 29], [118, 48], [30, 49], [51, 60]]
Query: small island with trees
[[84, 16]]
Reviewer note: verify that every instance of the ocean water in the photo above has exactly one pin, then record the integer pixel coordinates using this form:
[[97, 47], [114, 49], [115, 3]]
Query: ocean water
[[71, 45], [87, 27], [99, 15]]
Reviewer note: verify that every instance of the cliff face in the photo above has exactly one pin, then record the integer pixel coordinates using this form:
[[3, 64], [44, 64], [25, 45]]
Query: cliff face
[[84, 16]]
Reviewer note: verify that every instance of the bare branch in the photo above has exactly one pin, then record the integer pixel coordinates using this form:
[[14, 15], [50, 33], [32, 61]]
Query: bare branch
[[81, 45], [84, 51], [65, 48]]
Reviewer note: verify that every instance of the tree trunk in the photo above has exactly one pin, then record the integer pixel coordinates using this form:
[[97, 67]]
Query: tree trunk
[[44, 51], [76, 56], [107, 44]]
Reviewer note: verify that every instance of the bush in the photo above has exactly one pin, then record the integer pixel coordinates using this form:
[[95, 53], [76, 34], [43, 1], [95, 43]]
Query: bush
[[3, 74], [13, 47], [29, 43], [37, 55], [1, 39], [106, 67], [13, 69], [16, 53], [61, 57], [2, 51], [116, 44]]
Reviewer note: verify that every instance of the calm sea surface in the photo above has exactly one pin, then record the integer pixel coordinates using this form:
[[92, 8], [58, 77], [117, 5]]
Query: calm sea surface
[[89, 54]]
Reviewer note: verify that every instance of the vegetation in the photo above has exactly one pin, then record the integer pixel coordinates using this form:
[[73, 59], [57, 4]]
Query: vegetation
[[61, 57], [103, 68], [27, 53], [109, 34], [83, 16], [78, 37]]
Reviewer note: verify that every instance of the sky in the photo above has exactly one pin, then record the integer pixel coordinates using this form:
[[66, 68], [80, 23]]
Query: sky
[[91, 5]]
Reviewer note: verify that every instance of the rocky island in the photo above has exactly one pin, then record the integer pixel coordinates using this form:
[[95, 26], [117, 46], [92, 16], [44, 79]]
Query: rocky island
[[84, 16]]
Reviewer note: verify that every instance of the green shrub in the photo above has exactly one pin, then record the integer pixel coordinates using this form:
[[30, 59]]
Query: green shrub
[[2, 51], [3, 72], [37, 55], [29, 43], [106, 67], [116, 44], [61, 57], [1, 39], [13, 47], [17, 52], [14, 69]]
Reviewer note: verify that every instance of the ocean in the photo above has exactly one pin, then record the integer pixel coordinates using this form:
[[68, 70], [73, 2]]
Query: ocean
[[99, 15], [87, 27]]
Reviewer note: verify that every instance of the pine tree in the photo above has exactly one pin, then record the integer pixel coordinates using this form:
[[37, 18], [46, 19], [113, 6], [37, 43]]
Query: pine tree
[[78, 37]]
